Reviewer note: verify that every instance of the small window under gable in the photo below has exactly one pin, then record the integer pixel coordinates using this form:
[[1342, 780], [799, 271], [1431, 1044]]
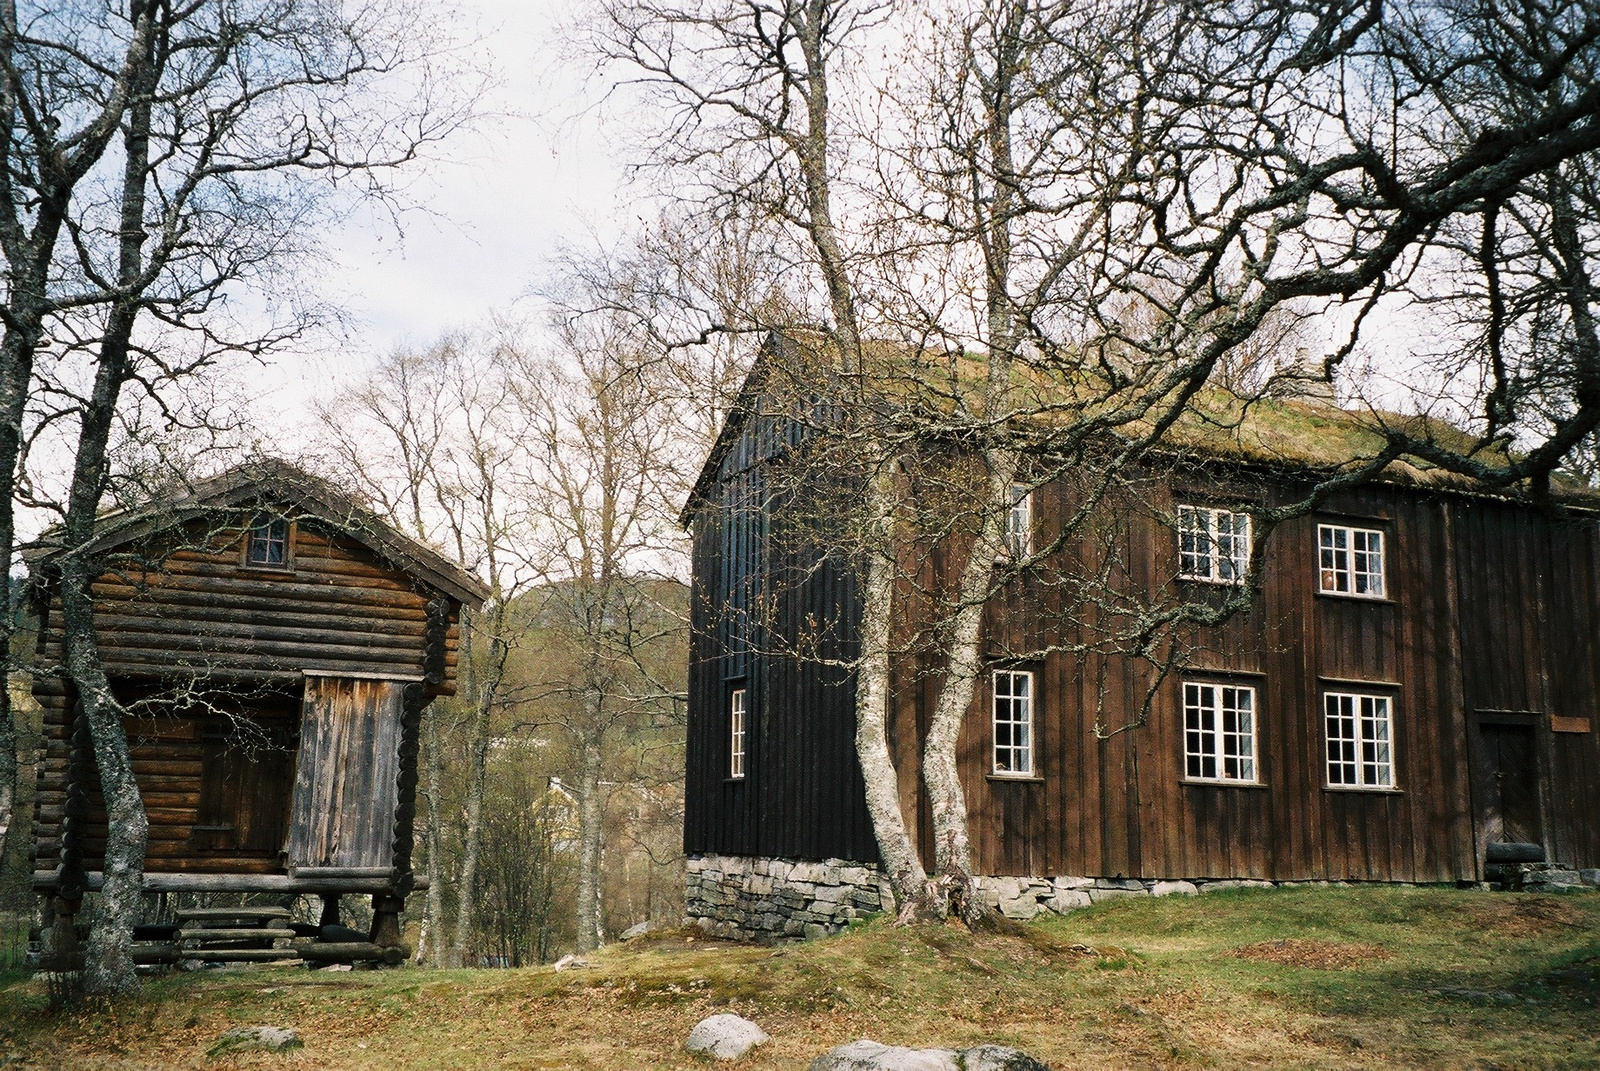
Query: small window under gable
[[267, 544], [1213, 544]]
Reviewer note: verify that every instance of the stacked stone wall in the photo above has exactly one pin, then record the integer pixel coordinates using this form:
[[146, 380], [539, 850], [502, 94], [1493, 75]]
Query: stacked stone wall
[[767, 899], [770, 899]]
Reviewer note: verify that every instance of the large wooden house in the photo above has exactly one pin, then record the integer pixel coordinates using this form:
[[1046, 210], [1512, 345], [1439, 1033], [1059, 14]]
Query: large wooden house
[[1412, 688], [274, 644]]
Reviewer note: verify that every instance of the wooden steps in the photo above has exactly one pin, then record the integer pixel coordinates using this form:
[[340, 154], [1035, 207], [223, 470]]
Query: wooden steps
[[243, 934], [211, 914]]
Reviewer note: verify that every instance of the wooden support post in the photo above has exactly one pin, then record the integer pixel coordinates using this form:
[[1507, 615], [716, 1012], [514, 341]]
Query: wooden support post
[[59, 948], [386, 920], [330, 909]]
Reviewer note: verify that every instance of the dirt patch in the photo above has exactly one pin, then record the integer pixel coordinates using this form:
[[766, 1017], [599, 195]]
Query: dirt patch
[[1529, 916], [1317, 955]]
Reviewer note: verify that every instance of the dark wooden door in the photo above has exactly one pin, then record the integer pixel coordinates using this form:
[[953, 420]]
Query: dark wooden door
[[246, 771], [347, 777], [1508, 784]]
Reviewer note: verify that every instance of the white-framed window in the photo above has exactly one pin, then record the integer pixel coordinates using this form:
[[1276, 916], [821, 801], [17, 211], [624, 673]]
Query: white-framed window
[[1019, 522], [1013, 722], [1213, 544], [267, 543], [736, 733], [1350, 561], [1360, 739], [1219, 732]]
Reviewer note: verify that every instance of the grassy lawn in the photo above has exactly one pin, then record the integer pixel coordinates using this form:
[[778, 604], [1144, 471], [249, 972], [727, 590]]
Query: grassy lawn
[[1313, 978]]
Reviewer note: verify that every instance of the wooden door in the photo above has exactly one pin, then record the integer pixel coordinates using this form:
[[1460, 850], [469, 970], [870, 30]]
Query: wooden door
[[246, 777], [347, 777], [1508, 783]]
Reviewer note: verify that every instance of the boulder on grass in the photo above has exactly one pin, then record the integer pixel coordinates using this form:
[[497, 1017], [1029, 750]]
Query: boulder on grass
[[872, 1056], [247, 1038], [725, 1036]]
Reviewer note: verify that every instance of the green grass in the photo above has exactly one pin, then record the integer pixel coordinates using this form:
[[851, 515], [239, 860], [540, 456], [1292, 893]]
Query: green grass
[[1337, 978]]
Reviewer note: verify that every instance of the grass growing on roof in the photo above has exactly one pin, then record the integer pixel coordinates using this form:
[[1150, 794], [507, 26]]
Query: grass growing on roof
[[1312, 978]]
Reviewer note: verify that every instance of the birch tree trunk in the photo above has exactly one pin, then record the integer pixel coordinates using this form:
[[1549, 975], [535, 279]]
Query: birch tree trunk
[[897, 852], [914, 897], [42, 199], [486, 686], [433, 932], [994, 173], [591, 832]]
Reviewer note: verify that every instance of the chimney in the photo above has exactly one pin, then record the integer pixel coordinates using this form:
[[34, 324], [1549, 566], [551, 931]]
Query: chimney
[[1304, 380]]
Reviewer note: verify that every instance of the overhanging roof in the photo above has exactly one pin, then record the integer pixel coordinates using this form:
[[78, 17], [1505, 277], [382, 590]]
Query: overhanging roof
[[283, 485]]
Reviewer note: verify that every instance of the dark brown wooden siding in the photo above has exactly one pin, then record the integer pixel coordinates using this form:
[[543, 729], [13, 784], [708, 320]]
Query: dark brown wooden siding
[[1492, 610], [771, 614], [1488, 605]]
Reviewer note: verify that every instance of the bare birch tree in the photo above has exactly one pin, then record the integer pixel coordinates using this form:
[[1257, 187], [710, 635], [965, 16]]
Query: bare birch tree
[[609, 461], [435, 440], [218, 116]]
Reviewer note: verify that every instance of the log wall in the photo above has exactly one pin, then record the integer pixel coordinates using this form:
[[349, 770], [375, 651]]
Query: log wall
[[187, 616]]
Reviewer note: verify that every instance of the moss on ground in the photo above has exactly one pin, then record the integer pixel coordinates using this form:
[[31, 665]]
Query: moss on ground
[[1312, 978]]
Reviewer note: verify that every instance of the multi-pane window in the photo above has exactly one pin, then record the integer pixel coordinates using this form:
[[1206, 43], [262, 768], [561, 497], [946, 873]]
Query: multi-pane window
[[1359, 740], [1350, 560], [268, 543], [1213, 544], [1019, 523], [1013, 722], [1219, 732], [736, 732]]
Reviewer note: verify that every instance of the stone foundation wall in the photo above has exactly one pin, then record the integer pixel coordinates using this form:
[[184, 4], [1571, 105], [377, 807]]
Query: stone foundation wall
[[1543, 877], [766, 899]]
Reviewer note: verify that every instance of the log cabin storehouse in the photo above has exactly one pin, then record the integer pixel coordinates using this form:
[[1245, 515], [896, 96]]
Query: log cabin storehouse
[[274, 644], [1410, 695]]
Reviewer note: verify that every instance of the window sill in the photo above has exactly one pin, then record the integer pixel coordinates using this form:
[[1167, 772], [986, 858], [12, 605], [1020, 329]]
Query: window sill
[[1214, 581], [1368, 790], [1203, 782], [734, 780], [1347, 596], [1025, 779], [268, 570]]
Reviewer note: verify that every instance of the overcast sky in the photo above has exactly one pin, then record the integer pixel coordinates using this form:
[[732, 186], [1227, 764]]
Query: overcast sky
[[500, 205]]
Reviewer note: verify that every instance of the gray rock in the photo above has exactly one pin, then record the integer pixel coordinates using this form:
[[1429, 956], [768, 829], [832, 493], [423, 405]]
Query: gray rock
[[1021, 910], [638, 929], [1097, 895], [1590, 877], [1068, 900], [1231, 883], [1070, 883], [871, 1056], [248, 1038], [1130, 884], [997, 1058], [1174, 888], [725, 1036]]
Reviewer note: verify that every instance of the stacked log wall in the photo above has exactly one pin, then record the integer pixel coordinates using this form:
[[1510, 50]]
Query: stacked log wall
[[194, 615]]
